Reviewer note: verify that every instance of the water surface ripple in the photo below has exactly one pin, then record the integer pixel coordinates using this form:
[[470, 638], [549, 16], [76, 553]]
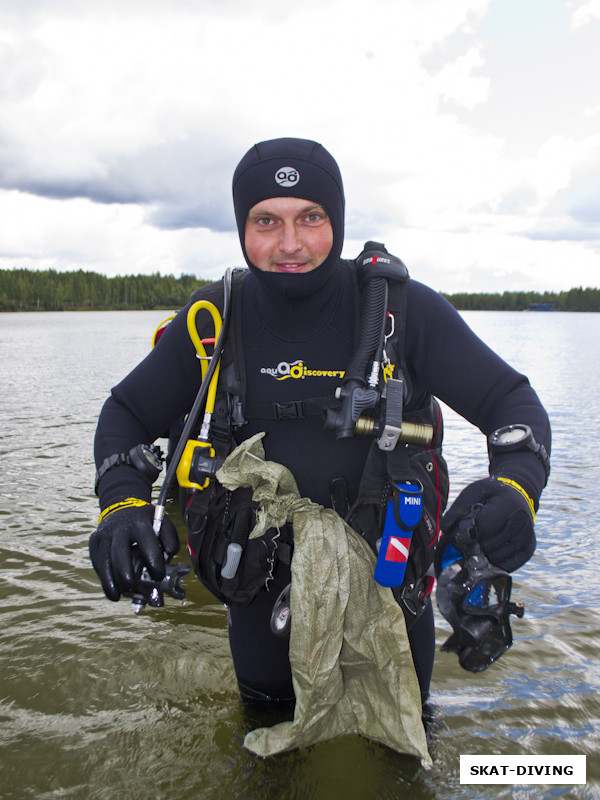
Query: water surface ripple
[[97, 702]]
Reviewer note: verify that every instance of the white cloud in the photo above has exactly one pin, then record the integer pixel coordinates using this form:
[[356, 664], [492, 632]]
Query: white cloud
[[585, 14], [458, 82], [122, 125], [217, 84], [112, 239]]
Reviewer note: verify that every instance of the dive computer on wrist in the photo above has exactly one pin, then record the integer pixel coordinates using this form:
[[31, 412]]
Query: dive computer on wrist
[[147, 459], [518, 437]]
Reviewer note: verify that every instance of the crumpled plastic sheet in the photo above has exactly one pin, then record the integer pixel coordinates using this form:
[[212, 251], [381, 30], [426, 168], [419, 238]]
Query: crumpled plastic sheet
[[351, 663]]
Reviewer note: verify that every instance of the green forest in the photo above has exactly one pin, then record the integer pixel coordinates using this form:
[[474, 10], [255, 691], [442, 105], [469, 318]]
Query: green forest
[[49, 290], [571, 300]]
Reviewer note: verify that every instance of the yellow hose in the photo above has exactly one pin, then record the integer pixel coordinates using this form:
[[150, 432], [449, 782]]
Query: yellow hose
[[204, 359]]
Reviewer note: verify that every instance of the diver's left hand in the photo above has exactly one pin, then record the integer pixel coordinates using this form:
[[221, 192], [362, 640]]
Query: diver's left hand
[[504, 521]]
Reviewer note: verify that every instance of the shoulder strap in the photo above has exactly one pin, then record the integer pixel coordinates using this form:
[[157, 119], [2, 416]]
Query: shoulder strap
[[232, 374], [396, 338]]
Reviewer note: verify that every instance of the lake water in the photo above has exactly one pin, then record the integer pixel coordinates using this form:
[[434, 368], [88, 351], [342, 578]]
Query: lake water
[[96, 702]]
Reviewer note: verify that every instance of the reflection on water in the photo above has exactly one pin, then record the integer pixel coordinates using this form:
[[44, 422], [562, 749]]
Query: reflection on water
[[96, 701]]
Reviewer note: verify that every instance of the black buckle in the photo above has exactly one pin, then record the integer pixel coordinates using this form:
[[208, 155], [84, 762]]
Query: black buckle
[[292, 410]]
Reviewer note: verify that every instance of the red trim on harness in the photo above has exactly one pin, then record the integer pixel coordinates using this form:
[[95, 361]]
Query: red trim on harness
[[437, 486]]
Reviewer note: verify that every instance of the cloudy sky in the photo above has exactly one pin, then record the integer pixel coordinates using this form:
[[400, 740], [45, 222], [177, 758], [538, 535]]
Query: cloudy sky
[[467, 132]]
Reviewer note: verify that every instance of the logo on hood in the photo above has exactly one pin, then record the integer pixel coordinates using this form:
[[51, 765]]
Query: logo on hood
[[287, 176]]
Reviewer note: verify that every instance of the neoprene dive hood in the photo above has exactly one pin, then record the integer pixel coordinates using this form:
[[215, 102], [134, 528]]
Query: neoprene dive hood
[[291, 168]]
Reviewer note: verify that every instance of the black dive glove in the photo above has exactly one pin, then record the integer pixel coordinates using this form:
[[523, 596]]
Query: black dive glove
[[125, 530], [504, 519]]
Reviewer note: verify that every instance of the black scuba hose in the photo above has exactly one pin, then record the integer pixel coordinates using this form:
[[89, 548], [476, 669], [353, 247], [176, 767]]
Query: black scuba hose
[[373, 319], [197, 405], [354, 395]]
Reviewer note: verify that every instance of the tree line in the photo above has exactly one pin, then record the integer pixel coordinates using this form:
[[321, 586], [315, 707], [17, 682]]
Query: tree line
[[577, 299], [49, 290]]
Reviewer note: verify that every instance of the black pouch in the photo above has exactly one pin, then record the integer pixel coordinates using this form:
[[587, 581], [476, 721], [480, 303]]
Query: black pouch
[[430, 469], [232, 567]]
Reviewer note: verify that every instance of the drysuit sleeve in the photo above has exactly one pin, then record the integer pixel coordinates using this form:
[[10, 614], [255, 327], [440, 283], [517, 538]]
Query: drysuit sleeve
[[155, 395], [446, 358]]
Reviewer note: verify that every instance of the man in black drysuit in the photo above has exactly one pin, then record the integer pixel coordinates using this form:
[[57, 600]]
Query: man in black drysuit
[[299, 325]]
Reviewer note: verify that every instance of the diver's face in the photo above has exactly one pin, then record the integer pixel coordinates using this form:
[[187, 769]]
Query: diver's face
[[287, 234]]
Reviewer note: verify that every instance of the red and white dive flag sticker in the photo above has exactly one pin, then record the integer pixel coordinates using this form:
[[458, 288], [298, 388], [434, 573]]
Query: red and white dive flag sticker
[[397, 549]]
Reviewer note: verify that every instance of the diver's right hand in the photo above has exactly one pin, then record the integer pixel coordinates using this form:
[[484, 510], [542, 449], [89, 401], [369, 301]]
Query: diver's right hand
[[111, 547]]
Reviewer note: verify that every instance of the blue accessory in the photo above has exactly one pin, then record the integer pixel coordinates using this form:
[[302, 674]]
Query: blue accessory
[[403, 514]]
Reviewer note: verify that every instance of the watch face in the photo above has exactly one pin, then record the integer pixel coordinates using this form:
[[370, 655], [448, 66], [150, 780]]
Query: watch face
[[151, 457], [147, 460], [518, 437], [511, 436]]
